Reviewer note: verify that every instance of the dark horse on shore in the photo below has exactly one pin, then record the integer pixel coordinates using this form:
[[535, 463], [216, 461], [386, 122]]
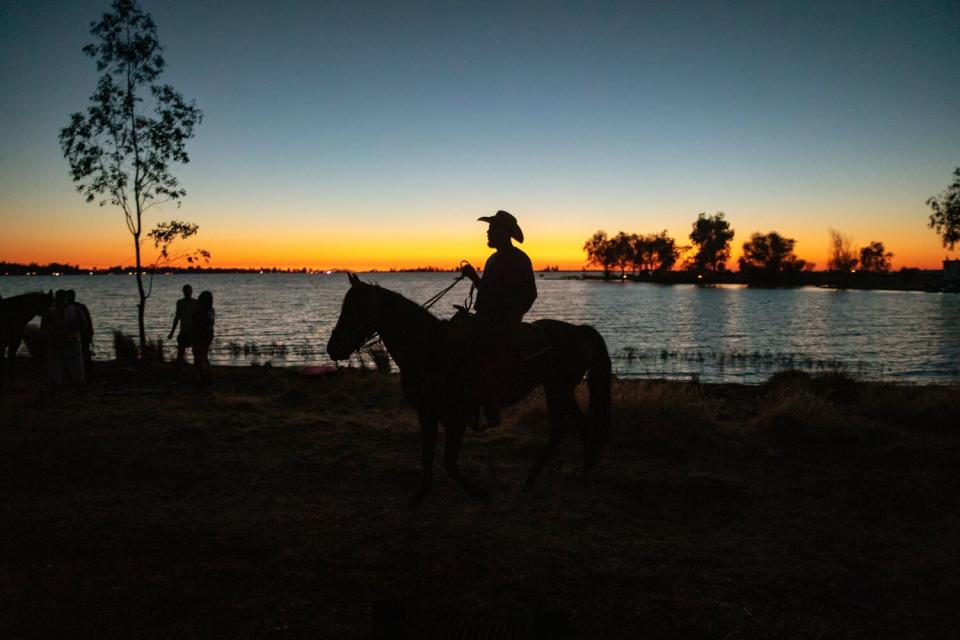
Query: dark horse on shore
[[15, 313], [439, 385]]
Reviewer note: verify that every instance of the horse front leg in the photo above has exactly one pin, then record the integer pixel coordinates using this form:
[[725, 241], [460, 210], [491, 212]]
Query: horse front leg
[[428, 443], [452, 442]]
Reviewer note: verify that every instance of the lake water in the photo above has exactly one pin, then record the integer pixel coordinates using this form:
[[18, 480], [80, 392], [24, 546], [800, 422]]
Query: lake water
[[722, 334]]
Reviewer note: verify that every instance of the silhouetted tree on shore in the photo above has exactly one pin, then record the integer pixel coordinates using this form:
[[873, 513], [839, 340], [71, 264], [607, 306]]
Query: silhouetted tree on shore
[[841, 254], [650, 253], [655, 252], [600, 252], [116, 151], [842, 259], [711, 237], [768, 259], [945, 219], [874, 257], [621, 246]]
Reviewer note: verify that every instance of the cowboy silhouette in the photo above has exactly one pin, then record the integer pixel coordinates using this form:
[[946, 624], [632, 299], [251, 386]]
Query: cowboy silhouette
[[505, 292], [507, 288]]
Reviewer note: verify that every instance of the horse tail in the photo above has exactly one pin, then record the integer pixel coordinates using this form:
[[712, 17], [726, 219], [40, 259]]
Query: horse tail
[[598, 384]]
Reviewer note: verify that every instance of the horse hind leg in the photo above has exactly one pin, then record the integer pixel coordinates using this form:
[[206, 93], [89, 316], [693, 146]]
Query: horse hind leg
[[590, 439]]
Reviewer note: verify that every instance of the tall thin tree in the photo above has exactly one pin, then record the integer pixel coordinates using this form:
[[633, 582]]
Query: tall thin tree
[[121, 149], [841, 255]]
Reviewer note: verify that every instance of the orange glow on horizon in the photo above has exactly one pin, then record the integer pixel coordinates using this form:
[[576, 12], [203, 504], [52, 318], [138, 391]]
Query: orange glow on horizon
[[391, 248]]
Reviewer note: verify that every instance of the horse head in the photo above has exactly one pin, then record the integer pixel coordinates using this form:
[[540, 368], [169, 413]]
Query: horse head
[[357, 320]]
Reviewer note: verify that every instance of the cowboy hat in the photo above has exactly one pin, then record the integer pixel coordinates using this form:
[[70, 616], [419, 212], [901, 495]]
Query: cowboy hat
[[507, 221]]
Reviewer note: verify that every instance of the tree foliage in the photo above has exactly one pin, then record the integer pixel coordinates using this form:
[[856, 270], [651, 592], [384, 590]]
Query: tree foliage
[[655, 252], [621, 248], [164, 234], [650, 253], [945, 219], [711, 236], [874, 257], [121, 148], [768, 258], [842, 256], [600, 252]]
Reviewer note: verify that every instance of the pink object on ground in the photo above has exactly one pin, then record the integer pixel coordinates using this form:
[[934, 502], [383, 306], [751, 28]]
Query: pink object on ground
[[319, 370]]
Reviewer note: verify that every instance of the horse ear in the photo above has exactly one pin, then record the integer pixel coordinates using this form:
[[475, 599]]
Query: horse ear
[[354, 278]]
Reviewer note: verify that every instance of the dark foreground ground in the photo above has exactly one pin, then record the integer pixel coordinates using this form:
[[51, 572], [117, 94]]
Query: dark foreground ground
[[274, 505]]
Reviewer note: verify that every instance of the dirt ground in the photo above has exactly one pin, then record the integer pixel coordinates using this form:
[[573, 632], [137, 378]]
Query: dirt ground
[[275, 505]]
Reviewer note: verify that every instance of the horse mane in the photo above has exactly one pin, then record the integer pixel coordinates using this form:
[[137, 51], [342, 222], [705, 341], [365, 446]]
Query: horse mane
[[399, 300]]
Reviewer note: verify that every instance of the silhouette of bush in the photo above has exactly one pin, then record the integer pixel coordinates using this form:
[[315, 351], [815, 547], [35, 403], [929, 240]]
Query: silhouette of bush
[[669, 419], [786, 379], [837, 386], [124, 347], [796, 416]]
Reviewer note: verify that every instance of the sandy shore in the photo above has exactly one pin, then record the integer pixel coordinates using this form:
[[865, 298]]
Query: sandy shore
[[274, 505]]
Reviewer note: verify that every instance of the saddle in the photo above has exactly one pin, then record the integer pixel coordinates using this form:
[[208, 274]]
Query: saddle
[[493, 360]]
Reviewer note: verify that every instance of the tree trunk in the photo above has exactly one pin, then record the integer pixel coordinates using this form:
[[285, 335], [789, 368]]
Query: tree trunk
[[143, 299]]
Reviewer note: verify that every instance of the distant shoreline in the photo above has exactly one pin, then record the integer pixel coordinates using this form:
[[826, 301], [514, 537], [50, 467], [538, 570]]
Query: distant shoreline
[[906, 279], [922, 280]]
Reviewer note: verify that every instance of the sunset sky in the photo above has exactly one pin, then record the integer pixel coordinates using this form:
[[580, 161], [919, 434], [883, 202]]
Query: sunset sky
[[363, 135]]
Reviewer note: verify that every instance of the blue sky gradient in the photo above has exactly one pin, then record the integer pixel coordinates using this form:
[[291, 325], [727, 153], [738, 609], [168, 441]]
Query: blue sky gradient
[[399, 120]]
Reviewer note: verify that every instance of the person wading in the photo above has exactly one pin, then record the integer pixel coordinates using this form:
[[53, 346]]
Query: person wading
[[505, 291]]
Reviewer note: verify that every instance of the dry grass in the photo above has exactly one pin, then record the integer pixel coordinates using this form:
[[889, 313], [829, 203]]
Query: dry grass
[[274, 505]]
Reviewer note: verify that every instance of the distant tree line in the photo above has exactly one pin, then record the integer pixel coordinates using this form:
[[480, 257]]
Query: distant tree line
[[17, 269], [768, 259], [55, 268]]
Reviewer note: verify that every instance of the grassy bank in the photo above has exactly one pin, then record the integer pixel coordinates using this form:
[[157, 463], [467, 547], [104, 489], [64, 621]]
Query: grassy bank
[[274, 505]]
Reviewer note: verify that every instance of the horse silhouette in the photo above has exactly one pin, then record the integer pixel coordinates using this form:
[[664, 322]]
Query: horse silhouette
[[15, 313], [438, 382]]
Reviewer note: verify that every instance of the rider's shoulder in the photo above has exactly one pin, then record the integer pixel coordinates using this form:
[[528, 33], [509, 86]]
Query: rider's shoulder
[[515, 254]]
